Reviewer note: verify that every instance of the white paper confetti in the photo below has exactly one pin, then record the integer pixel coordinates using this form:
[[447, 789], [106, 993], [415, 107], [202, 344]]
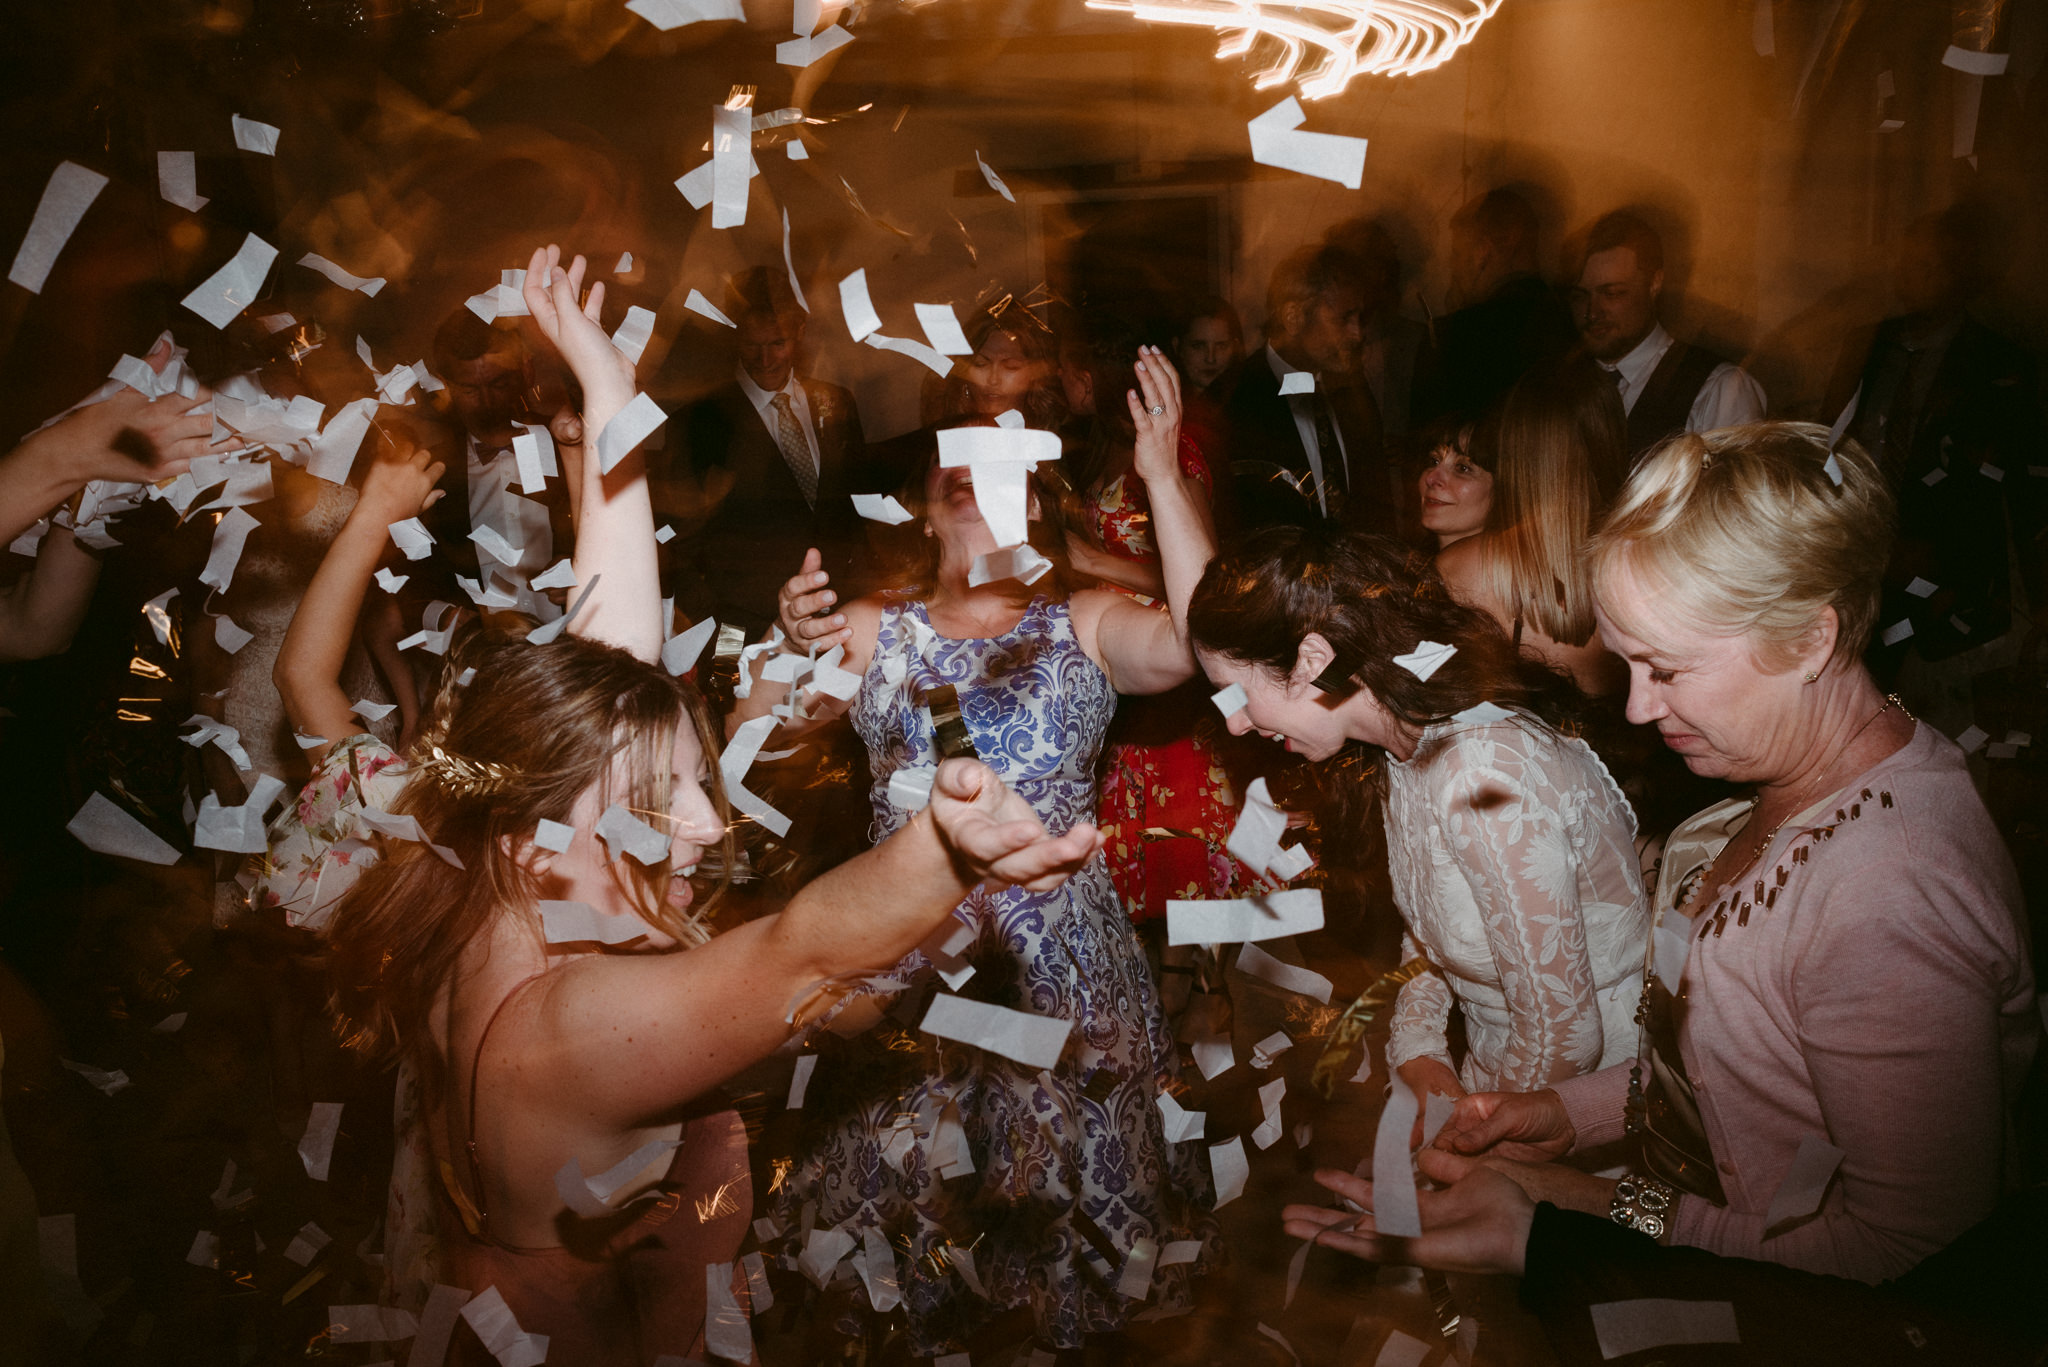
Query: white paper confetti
[[1231, 701], [857, 308], [502, 1338], [881, 508], [627, 834], [251, 136], [1277, 141], [1624, 1327], [629, 427], [223, 295], [942, 328], [1298, 382], [105, 828], [69, 193], [1229, 1168], [177, 180], [679, 653], [1181, 1124], [1805, 1182], [1264, 917], [633, 334], [995, 182], [1426, 659], [365, 285], [1035, 1041], [698, 304], [316, 1146], [1257, 963], [1394, 1210]]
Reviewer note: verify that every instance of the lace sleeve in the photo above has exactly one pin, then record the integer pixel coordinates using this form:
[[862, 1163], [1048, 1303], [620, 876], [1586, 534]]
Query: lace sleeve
[[1421, 1011], [1502, 818]]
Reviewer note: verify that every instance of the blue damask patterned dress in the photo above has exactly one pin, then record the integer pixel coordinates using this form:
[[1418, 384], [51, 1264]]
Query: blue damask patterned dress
[[1071, 1164]]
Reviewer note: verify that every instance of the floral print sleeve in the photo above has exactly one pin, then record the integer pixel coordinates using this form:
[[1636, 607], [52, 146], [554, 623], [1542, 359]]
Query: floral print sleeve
[[315, 852]]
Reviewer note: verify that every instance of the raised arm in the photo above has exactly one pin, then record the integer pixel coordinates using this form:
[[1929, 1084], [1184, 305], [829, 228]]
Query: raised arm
[[682, 1023], [399, 484], [614, 518], [1141, 649]]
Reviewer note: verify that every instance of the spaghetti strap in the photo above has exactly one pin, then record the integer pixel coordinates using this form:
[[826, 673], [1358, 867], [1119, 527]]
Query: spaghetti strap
[[476, 1170]]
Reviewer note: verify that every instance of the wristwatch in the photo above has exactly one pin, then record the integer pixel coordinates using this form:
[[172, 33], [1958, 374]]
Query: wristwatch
[[1642, 1204]]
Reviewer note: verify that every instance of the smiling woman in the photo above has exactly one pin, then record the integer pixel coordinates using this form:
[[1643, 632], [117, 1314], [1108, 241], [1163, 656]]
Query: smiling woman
[[543, 1056], [1738, 575], [1512, 850]]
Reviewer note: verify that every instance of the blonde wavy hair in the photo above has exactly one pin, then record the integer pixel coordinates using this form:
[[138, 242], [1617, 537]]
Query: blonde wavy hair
[[1745, 531]]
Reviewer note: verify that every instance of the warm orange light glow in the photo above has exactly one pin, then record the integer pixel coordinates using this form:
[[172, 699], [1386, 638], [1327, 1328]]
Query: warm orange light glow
[[1323, 44]]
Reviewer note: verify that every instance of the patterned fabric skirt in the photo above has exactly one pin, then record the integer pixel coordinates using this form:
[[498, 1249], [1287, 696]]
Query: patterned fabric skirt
[[1070, 1164]]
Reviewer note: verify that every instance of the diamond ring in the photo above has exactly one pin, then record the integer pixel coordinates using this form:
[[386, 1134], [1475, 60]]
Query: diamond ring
[[1156, 409]]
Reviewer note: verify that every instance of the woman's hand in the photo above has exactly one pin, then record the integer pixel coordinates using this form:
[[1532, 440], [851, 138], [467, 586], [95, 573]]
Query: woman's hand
[[551, 297], [1526, 1126], [1480, 1224], [993, 835], [1423, 1076], [1565, 1188], [400, 484], [1156, 452], [130, 437], [801, 599]]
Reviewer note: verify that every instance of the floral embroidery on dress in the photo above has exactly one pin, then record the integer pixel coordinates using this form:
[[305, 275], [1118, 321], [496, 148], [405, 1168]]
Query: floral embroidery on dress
[[315, 855]]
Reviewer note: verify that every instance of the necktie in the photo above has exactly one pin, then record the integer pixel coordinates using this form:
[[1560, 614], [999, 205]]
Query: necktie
[[1331, 453], [789, 435]]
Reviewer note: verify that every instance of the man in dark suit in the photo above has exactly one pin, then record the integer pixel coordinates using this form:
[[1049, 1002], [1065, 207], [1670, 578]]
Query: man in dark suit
[[1510, 322], [764, 468], [1948, 409], [1304, 431]]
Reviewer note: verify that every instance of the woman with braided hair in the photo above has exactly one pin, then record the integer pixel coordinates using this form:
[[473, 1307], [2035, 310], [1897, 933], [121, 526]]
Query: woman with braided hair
[[1512, 851], [536, 954]]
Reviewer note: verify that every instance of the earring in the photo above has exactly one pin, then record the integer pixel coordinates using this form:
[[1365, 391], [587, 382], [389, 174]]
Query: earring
[[927, 528], [1811, 675]]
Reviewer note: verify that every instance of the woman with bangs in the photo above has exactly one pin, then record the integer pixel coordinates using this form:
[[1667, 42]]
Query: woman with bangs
[[550, 1055], [1070, 1157]]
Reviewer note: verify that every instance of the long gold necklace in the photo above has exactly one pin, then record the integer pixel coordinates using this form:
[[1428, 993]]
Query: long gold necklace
[[1805, 798]]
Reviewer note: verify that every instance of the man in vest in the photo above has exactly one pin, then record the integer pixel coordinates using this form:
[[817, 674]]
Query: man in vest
[[1667, 386]]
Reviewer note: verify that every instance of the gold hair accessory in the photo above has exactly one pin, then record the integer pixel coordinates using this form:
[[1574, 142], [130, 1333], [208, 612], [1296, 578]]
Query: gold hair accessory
[[461, 776]]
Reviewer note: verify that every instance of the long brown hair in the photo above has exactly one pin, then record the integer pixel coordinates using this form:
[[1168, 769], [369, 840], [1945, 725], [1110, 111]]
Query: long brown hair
[[1372, 599], [534, 728]]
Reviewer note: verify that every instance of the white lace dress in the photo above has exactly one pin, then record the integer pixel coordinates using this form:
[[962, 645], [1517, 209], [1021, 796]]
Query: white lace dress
[[1514, 866]]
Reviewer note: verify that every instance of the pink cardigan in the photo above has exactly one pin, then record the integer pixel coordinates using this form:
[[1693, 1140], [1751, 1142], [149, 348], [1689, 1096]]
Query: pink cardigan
[[1883, 1000]]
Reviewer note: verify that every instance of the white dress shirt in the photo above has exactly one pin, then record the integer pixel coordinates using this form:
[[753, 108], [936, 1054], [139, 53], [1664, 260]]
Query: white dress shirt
[[764, 404], [1729, 395], [1302, 407]]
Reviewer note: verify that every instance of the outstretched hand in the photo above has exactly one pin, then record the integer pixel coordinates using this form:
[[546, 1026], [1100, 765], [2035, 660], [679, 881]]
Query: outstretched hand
[[1156, 454], [993, 835], [552, 295], [1479, 1224], [800, 602]]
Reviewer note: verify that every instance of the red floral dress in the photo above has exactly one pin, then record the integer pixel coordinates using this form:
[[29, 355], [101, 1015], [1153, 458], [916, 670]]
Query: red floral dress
[[1160, 773]]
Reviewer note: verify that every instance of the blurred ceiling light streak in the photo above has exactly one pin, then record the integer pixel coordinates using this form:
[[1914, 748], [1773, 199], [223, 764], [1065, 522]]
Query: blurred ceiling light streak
[[1353, 37]]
